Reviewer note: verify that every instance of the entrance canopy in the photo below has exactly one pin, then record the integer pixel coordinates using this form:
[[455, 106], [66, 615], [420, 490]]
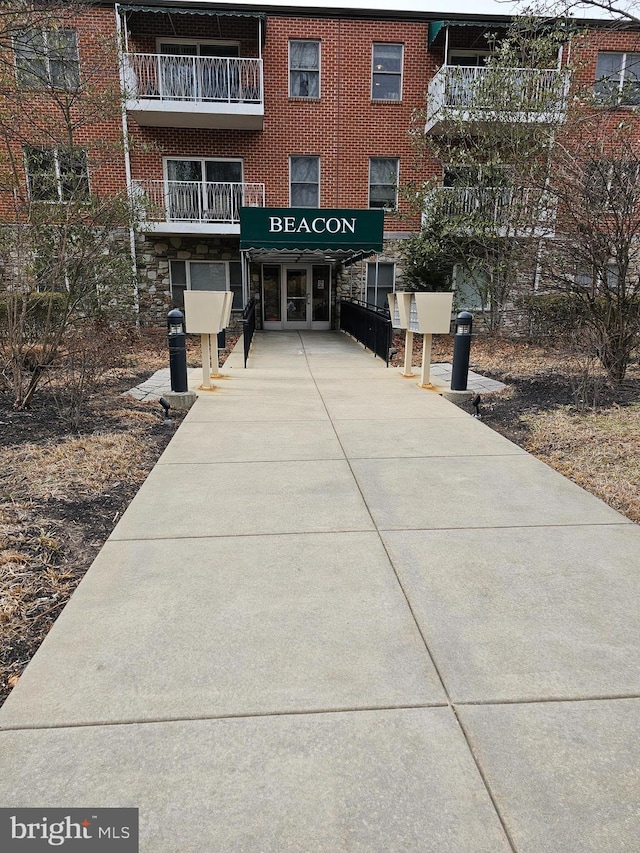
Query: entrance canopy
[[311, 233]]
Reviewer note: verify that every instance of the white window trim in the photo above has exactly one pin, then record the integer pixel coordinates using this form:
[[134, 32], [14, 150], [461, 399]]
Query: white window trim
[[47, 58], [56, 166], [290, 69], [623, 71], [317, 157], [390, 73], [198, 42], [202, 161], [395, 203], [377, 263]]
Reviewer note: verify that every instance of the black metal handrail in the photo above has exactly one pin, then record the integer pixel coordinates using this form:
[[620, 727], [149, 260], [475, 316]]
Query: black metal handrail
[[368, 324], [248, 326]]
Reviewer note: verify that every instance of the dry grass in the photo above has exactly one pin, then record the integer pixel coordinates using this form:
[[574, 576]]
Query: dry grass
[[598, 450], [74, 466]]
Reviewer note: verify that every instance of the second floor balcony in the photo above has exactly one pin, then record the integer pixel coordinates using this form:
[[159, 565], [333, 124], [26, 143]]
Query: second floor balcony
[[460, 95], [495, 211], [194, 91], [194, 207]]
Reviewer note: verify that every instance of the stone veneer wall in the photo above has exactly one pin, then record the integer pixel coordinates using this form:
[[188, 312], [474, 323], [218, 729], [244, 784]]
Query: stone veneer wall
[[153, 255], [352, 280]]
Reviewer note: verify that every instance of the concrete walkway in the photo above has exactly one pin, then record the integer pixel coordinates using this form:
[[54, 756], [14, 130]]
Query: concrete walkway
[[343, 615]]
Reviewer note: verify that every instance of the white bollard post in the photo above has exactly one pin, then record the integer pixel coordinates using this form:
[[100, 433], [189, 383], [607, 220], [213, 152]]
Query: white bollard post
[[408, 353], [425, 377], [206, 361]]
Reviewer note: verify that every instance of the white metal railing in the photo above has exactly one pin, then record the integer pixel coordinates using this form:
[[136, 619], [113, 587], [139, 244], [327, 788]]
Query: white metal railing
[[519, 209], [193, 78], [522, 90], [195, 201]]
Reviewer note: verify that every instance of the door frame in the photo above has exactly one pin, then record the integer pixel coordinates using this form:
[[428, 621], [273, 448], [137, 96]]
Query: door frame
[[283, 324]]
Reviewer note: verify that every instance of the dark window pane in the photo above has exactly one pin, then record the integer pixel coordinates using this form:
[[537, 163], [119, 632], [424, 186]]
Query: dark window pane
[[41, 174], [223, 171], [387, 57], [305, 84], [74, 181], [31, 62]]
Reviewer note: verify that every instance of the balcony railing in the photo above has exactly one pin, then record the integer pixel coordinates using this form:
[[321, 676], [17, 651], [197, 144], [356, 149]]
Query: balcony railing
[[195, 201], [193, 78], [513, 211], [516, 94]]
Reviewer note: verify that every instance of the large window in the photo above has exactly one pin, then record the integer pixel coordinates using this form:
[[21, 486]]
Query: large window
[[304, 181], [383, 182], [56, 174], [304, 69], [386, 72], [380, 282], [202, 189], [206, 275], [618, 78], [48, 57]]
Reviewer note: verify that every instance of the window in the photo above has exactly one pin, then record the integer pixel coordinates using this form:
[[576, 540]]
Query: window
[[206, 275], [618, 78], [380, 282], [613, 184], [57, 174], [48, 58], [386, 74], [383, 182], [305, 181], [304, 69], [204, 189]]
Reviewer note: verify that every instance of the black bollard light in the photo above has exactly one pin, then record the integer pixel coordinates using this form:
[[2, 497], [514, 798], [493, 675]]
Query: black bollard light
[[177, 351], [461, 350]]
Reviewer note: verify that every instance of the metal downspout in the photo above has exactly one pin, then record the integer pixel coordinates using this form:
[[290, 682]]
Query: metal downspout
[[127, 159]]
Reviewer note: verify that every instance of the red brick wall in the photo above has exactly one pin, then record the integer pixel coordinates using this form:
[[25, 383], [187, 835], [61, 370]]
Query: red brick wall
[[344, 127]]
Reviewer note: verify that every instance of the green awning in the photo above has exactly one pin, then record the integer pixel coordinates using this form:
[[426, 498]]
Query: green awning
[[303, 229], [190, 10], [436, 27]]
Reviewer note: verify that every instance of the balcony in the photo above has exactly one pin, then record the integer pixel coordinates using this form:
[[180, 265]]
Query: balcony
[[194, 91], [193, 207], [496, 211], [476, 95]]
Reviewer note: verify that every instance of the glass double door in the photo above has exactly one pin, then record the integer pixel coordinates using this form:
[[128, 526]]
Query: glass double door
[[296, 297]]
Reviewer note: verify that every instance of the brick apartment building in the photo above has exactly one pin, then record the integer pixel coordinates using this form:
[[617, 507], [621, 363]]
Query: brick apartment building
[[301, 115]]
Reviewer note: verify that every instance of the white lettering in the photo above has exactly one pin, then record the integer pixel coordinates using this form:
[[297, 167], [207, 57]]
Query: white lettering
[[319, 225]]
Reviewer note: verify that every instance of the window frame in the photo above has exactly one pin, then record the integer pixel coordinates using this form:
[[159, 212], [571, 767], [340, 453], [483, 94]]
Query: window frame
[[315, 157], [619, 86], [318, 72], [48, 57], [387, 207], [187, 286], [198, 44], [57, 175], [399, 74], [376, 266]]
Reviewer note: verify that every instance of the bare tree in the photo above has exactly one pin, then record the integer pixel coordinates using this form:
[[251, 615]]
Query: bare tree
[[492, 128], [595, 255], [64, 252]]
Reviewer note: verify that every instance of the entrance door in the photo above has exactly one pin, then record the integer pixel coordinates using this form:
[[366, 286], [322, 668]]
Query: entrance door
[[297, 298]]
